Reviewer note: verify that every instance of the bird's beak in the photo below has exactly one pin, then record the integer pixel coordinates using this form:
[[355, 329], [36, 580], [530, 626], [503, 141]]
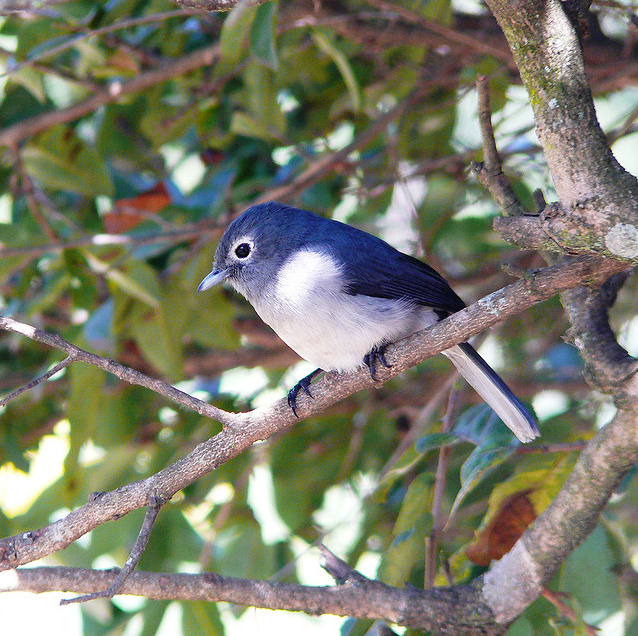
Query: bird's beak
[[214, 278]]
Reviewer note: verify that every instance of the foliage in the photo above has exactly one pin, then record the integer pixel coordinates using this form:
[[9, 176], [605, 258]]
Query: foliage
[[109, 220]]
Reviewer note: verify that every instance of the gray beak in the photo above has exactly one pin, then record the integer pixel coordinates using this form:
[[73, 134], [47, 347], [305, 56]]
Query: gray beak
[[214, 278]]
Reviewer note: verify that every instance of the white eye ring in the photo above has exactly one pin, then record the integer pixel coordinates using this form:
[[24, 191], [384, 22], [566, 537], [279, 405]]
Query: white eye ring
[[243, 248]]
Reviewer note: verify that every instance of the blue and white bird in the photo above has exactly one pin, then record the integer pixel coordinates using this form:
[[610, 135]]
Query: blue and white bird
[[337, 296]]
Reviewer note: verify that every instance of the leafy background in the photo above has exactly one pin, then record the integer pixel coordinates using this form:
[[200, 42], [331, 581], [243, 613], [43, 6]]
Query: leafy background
[[108, 221]]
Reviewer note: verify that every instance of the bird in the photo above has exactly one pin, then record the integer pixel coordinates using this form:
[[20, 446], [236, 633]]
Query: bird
[[338, 296]]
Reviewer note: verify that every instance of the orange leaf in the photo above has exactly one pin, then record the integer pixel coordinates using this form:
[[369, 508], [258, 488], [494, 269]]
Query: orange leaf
[[124, 61], [498, 537], [129, 213]]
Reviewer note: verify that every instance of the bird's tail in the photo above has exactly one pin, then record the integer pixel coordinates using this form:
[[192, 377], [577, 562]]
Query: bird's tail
[[489, 385]]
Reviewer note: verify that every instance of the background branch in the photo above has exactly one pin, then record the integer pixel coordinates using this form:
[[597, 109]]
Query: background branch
[[12, 135]]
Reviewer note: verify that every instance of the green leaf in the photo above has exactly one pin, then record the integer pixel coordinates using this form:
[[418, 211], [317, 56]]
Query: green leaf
[[60, 160], [262, 35], [241, 552], [328, 46], [158, 342], [481, 461], [262, 99], [152, 616], [236, 29], [412, 526], [247, 126], [439, 10], [135, 279], [84, 409], [35, 34], [588, 575], [201, 617], [435, 440], [32, 80], [480, 425], [408, 460]]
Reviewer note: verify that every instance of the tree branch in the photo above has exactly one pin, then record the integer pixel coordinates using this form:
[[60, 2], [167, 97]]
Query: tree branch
[[598, 198], [41, 378], [519, 577], [490, 171], [12, 135], [216, 5], [243, 429], [444, 610], [153, 510], [609, 368], [118, 370]]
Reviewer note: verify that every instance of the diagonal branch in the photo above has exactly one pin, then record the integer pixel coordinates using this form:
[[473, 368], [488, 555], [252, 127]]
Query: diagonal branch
[[41, 378], [13, 135], [243, 429], [490, 171], [115, 368], [153, 510]]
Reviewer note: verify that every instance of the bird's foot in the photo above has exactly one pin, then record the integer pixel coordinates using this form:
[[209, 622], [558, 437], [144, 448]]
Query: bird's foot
[[302, 385], [370, 358]]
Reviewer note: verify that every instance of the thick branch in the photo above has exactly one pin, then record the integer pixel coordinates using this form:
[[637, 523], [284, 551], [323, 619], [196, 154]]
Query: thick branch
[[609, 368], [444, 610], [519, 577], [598, 198]]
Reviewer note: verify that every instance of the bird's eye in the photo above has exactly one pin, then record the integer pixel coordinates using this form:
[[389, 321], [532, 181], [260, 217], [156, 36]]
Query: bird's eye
[[242, 250]]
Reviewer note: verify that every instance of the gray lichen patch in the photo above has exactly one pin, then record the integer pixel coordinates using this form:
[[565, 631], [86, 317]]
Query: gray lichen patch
[[622, 240]]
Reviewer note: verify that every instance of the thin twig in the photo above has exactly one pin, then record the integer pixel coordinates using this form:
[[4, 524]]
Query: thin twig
[[91, 33], [555, 598], [338, 569], [154, 507], [449, 35], [491, 158], [490, 172], [440, 481], [188, 232], [29, 189], [118, 370], [12, 135], [424, 416], [564, 447], [45, 376], [539, 200]]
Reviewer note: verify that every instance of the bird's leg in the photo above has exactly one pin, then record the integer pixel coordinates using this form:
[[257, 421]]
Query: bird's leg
[[376, 353], [303, 384]]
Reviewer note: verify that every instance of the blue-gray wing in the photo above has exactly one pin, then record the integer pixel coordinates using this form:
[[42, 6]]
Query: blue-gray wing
[[374, 268]]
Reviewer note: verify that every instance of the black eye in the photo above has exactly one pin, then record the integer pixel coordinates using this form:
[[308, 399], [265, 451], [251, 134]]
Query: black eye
[[242, 250]]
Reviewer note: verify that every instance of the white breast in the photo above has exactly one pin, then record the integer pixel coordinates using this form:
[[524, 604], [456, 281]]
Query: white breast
[[310, 311]]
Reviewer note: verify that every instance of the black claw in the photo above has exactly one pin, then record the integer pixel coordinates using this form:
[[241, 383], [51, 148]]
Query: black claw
[[302, 385], [376, 353]]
